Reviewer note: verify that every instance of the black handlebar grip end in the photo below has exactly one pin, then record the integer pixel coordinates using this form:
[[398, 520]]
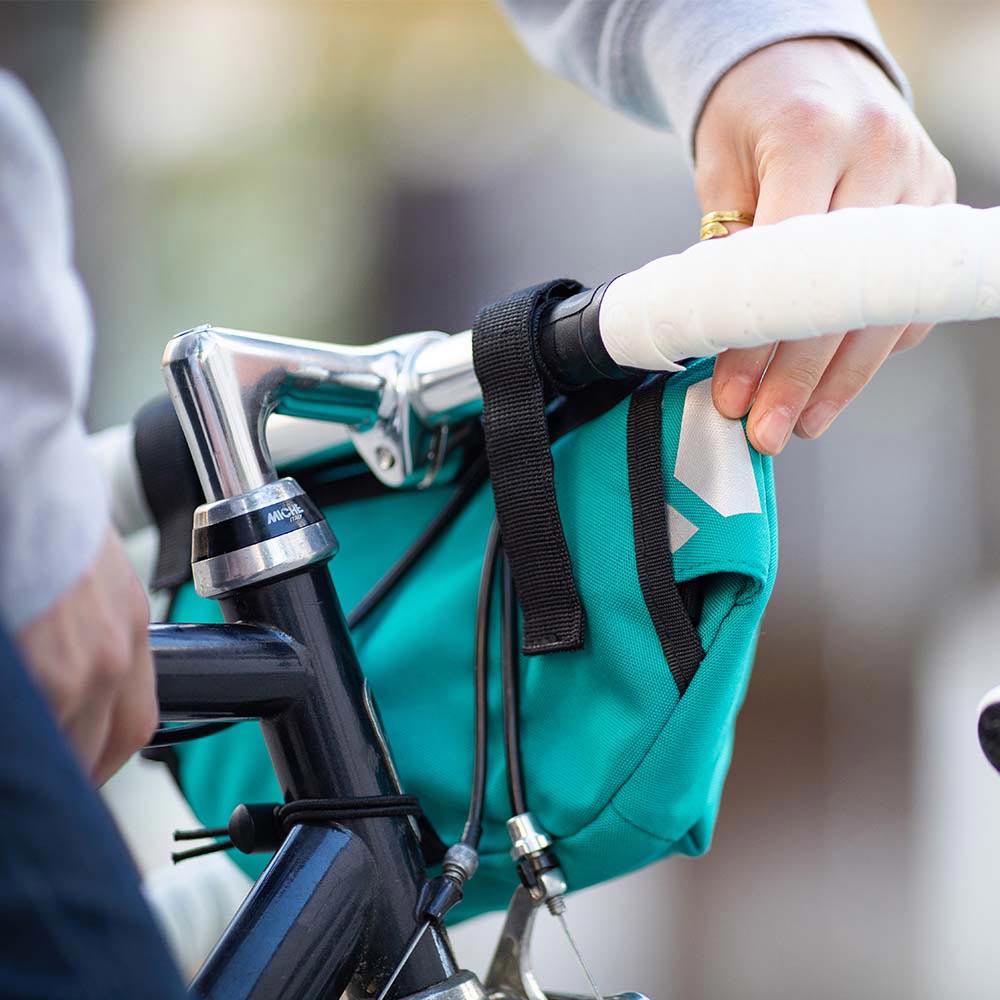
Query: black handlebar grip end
[[171, 487], [570, 345]]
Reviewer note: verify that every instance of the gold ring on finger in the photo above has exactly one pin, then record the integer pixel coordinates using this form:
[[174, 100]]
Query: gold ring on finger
[[713, 225]]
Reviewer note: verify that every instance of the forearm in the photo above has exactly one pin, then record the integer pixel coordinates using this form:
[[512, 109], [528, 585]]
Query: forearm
[[54, 505], [659, 59]]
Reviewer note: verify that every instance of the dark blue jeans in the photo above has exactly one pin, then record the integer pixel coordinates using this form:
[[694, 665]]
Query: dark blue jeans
[[73, 923]]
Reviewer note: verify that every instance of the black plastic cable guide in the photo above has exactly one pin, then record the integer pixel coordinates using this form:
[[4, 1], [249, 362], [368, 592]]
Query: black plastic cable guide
[[261, 827]]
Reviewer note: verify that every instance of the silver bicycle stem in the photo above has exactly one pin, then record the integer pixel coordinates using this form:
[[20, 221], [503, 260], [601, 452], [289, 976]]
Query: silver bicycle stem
[[396, 399], [393, 396]]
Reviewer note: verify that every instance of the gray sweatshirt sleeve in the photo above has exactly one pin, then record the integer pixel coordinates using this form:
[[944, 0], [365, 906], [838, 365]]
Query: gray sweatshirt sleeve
[[52, 497], [659, 59]]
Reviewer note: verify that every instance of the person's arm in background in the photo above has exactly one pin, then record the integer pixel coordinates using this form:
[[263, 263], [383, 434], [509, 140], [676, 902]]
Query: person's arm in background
[[67, 592], [785, 107]]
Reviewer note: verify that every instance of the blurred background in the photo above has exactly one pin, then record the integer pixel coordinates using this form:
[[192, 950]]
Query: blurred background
[[351, 170]]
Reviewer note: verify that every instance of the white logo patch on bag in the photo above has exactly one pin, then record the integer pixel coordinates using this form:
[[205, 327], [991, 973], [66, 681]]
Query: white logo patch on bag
[[713, 458]]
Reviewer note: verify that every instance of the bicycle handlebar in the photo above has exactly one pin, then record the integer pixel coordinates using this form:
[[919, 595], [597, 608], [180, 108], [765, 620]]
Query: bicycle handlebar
[[805, 277], [800, 278]]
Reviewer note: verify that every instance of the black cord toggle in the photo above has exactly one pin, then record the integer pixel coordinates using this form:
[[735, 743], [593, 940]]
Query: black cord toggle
[[261, 827]]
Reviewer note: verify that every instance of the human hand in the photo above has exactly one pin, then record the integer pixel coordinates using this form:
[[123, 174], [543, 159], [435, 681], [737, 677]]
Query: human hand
[[89, 652], [804, 127]]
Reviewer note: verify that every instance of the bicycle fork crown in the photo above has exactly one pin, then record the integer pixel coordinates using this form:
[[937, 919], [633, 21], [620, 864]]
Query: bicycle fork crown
[[272, 530]]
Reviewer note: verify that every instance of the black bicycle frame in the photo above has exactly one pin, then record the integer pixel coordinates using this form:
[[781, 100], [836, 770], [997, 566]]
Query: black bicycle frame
[[337, 905]]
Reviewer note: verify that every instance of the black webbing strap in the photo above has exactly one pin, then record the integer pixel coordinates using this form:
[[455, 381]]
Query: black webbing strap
[[650, 527], [170, 483], [520, 457]]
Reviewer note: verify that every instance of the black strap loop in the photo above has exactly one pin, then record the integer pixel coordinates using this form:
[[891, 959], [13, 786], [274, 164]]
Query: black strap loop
[[651, 529], [339, 810], [504, 353]]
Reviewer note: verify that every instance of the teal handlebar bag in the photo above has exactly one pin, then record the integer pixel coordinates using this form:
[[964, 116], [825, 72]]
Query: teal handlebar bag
[[620, 769]]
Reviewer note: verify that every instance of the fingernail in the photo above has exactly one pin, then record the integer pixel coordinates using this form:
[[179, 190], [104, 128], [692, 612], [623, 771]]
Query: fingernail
[[773, 430], [735, 395], [816, 418]]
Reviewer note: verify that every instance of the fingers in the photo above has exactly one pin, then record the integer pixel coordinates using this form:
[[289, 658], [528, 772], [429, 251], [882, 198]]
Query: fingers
[[913, 335], [135, 713], [724, 185], [89, 654], [795, 185], [87, 730], [810, 384], [798, 186], [737, 372], [938, 189], [737, 375], [871, 183], [859, 355], [805, 127], [788, 187], [787, 386]]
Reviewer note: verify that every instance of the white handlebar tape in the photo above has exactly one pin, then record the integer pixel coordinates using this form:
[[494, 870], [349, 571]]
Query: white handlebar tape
[[805, 277]]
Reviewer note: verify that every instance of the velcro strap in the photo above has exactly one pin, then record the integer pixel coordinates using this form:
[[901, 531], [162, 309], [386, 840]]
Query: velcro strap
[[651, 530], [520, 457]]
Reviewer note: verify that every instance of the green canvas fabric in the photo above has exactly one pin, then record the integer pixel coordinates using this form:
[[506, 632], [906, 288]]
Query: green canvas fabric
[[619, 771]]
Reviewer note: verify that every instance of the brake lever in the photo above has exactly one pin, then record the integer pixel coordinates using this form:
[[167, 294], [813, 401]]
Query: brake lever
[[511, 976]]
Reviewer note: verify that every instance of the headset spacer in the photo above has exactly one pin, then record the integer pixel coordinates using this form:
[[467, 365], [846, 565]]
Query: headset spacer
[[269, 532]]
